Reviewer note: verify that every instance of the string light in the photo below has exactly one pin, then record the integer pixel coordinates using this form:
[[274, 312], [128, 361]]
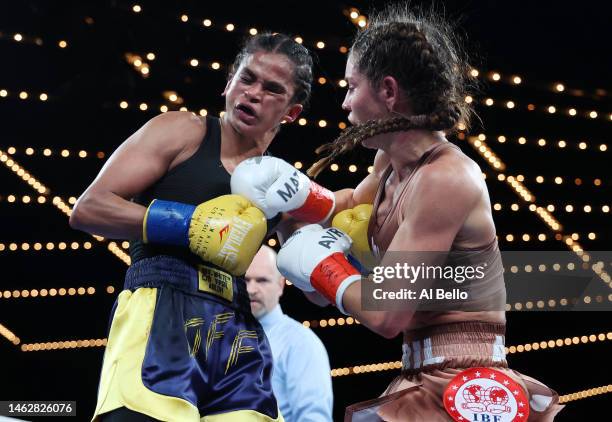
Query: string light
[[330, 322], [25, 95], [119, 253], [25, 176], [58, 203], [356, 18], [68, 344], [550, 109], [560, 342], [362, 369], [138, 63], [487, 154], [46, 293], [597, 182], [522, 140], [385, 366], [9, 335], [543, 213], [556, 87], [20, 38], [585, 393], [47, 152], [38, 246], [569, 208]]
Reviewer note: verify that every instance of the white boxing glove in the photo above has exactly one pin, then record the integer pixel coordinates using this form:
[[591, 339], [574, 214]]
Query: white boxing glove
[[275, 186], [314, 258]]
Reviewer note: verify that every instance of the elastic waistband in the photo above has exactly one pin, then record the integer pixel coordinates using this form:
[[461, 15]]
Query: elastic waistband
[[203, 280], [461, 344]]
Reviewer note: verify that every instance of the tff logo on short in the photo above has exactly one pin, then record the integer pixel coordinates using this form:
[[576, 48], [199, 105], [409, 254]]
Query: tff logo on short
[[485, 395]]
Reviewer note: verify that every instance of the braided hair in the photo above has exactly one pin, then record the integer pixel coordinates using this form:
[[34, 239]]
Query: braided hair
[[425, 59]]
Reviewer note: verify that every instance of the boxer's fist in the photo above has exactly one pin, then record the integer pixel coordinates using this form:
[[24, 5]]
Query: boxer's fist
[[274, 186], [226, 231], [313, 258], [354, 222]]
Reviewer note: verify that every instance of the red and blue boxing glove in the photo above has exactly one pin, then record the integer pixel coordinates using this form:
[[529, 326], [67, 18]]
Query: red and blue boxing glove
[[314, 258]]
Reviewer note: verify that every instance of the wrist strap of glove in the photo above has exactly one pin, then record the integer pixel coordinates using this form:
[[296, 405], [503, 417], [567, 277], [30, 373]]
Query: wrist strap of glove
[[342, 288], [332, 277], [167, 222], [318, 207]]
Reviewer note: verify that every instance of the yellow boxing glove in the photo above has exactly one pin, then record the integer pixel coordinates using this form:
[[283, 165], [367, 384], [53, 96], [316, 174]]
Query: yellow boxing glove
[[226, 231], [354, 222]]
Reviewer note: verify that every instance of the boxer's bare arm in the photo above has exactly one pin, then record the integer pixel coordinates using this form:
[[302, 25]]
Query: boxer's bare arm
[[433, 214], [366, 190], [105, 208]]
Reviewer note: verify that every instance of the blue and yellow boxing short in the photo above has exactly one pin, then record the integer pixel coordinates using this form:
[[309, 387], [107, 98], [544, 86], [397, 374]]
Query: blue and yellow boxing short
[[184, 346]]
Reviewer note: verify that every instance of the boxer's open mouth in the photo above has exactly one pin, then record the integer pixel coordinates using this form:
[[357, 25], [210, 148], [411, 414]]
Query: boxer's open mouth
[[246, 109]]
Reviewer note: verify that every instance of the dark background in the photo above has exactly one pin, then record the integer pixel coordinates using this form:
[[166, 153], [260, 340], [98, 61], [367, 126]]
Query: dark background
[[544, 42]]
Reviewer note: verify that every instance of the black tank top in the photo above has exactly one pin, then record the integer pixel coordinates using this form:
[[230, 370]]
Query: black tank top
[[198, 179]]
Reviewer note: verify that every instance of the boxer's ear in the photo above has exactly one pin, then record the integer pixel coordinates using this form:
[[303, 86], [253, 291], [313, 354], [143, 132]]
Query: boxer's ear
[[389, 92], [229, 81], [293, 113]]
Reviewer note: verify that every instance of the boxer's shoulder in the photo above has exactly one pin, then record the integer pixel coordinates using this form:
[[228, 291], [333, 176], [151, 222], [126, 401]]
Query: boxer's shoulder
[[175, 135], [381, 162], [453, 182], [180, 125]]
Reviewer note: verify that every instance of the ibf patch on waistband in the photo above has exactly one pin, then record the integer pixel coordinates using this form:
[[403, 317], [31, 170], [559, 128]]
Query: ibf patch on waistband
[[216, 282], [485, 395]]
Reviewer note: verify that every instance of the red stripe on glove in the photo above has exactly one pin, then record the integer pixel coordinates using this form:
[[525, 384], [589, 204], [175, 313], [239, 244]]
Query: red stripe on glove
[[330, 273], [317, 206]]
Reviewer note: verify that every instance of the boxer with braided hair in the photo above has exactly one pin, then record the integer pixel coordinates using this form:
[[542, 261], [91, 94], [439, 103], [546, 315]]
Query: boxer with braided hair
[[433, 72], [407, 80]]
